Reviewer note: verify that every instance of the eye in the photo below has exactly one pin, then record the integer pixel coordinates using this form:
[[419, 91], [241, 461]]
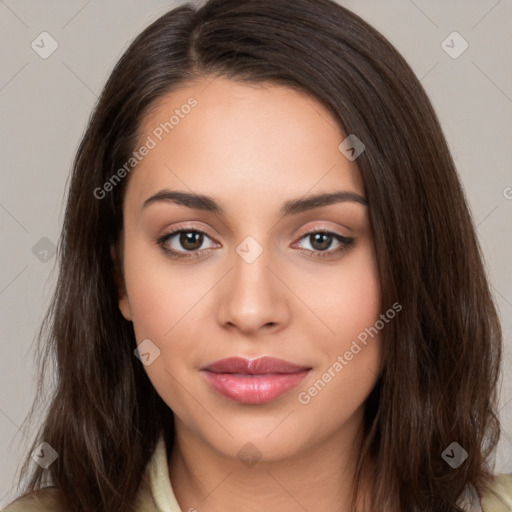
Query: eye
[[320, 240], [190, 240]]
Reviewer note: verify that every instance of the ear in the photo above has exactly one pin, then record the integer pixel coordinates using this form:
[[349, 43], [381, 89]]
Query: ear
[[124, 303]]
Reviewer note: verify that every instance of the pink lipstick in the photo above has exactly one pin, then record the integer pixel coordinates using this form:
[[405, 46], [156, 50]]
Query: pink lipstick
[[253, 381]]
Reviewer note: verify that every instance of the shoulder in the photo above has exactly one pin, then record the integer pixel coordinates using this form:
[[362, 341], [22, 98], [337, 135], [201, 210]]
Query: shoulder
[[46, 500], [498, 497], [42, 500]]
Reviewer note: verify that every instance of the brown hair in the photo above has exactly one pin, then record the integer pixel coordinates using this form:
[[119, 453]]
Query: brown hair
[[442, 354]]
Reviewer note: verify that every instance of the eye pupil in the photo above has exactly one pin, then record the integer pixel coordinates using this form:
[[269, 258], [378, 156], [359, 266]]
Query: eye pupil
[[189, 240], [322, 245]]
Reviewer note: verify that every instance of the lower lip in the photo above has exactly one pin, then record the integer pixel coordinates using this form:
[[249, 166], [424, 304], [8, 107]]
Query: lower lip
[[254, 389]]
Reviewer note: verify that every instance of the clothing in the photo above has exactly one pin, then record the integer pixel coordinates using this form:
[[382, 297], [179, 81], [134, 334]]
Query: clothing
[[156, 494]]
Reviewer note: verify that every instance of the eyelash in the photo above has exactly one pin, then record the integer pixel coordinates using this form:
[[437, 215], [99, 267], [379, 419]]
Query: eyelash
[[346, 244]]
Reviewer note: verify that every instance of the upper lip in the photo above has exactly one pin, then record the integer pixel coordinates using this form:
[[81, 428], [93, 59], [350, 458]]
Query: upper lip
[[258, 366]]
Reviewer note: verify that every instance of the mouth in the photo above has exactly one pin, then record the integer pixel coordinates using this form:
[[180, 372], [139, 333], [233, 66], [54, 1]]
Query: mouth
[[254, 381]]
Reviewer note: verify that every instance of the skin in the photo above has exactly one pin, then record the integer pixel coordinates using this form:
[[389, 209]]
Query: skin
[[252, 147]]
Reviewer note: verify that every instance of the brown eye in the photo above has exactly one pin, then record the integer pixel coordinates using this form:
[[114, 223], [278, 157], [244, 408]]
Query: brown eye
[[321, 240], [191, 240], [184, 243]]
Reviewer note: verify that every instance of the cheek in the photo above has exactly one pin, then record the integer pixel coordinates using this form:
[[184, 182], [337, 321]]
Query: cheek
[[350, 305], [352, 355], [349, 299], [160, 293], [166, 309], [360, 301]]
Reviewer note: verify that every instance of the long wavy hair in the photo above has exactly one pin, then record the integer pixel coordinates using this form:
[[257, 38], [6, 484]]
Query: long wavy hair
[[442, 354]]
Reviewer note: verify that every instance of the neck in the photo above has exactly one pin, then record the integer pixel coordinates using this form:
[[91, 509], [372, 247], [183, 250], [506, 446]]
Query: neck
[[319, 478]]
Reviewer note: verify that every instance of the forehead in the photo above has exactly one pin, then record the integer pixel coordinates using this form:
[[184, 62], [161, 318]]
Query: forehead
[[241, 142]]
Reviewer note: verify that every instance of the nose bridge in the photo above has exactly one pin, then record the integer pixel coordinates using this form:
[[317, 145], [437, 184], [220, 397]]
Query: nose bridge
[[251, 262], [251, 280], [252, 296]]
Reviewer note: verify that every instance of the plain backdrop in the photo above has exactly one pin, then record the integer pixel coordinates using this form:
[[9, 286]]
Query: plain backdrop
[[46, 102]]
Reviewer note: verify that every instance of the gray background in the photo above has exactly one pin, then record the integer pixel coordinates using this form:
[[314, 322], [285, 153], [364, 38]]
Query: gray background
[[45, 105]]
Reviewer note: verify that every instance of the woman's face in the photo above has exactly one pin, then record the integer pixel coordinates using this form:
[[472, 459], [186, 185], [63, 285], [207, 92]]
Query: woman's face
[[255, 278]]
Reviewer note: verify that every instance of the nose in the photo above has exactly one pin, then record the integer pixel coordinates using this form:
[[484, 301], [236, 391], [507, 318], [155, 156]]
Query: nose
[[253, 297]]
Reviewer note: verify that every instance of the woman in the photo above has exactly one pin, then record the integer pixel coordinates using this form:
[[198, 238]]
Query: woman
[[271, 294]]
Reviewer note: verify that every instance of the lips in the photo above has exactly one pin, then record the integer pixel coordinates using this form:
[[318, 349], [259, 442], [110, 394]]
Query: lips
[[259, 366], [253, 381]]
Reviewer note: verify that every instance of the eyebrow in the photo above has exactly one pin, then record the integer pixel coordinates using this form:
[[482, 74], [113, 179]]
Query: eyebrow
[[290, 207]]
